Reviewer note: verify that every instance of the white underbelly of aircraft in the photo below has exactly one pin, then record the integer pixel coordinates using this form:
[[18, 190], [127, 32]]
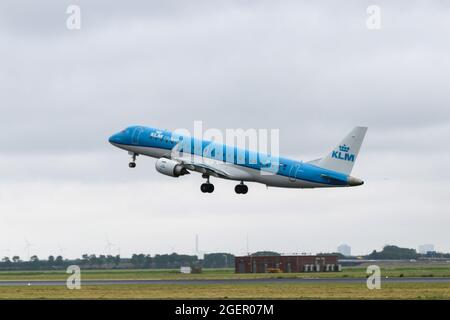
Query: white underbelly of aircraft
[[236, 172], [146, 151]]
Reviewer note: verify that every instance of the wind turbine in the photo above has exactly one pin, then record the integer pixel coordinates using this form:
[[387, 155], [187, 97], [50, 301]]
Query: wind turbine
[[108, 246], [28, 245], [61, 250], [7, 252]]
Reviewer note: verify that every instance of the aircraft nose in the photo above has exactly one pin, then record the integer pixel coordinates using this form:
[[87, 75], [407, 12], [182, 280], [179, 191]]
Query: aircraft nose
[[352, 181], [114, 139]]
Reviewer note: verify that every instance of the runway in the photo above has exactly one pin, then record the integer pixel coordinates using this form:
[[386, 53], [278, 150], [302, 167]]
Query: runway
[[19, 283]]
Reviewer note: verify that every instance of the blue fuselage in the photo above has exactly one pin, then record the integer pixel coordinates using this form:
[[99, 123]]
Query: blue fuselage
[[288, 173]]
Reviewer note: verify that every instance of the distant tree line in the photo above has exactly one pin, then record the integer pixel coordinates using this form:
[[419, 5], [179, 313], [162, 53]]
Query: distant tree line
[[137, 261], [393, 253], [390, 252], [174, 260]]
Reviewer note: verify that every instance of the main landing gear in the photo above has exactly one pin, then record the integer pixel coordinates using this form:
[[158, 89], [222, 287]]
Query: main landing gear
[[241, 188], [132, 164], [207, 187]]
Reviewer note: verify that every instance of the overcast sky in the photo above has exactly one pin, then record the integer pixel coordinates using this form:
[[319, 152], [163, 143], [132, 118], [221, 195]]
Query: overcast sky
[[311, 69]]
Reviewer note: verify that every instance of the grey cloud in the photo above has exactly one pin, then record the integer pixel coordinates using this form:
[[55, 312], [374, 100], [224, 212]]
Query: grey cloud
[[305, 68], [313, 70]]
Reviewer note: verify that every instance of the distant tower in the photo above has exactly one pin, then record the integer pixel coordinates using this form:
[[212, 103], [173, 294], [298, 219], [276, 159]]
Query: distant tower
[[196, 243], [345, 250], [199, 254], [248, 246], [425, 248]]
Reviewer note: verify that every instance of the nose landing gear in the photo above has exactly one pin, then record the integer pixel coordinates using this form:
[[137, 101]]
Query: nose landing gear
[[132, 164]]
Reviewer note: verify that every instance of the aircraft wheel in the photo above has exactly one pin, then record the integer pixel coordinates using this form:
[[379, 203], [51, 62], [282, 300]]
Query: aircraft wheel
[[241, 189], [132, 164], [207, 187]]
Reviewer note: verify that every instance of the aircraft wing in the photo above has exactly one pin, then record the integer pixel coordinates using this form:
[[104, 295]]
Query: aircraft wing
[[208, 166], [199, 165], [207, 169], [203, 167]]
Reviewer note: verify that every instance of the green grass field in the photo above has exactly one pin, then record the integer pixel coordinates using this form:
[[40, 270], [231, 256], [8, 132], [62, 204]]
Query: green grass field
[[160, 274], [240, 290]]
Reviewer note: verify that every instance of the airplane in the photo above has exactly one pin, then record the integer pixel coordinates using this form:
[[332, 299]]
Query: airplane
[[179, 154]]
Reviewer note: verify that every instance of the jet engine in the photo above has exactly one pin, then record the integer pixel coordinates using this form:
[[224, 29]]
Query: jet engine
[[170, 168]]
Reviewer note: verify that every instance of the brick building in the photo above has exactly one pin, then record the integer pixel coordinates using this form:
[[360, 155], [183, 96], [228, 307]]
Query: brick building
[[296, 263]]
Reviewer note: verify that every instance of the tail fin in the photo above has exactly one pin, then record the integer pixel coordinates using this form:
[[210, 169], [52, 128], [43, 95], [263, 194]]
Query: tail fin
[[343, 157]]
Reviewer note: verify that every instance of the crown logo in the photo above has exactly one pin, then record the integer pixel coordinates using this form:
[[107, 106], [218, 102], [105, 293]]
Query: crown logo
[[344, 148]]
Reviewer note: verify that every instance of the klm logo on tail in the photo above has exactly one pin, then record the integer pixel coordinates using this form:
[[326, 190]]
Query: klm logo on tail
[[343, 154]]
